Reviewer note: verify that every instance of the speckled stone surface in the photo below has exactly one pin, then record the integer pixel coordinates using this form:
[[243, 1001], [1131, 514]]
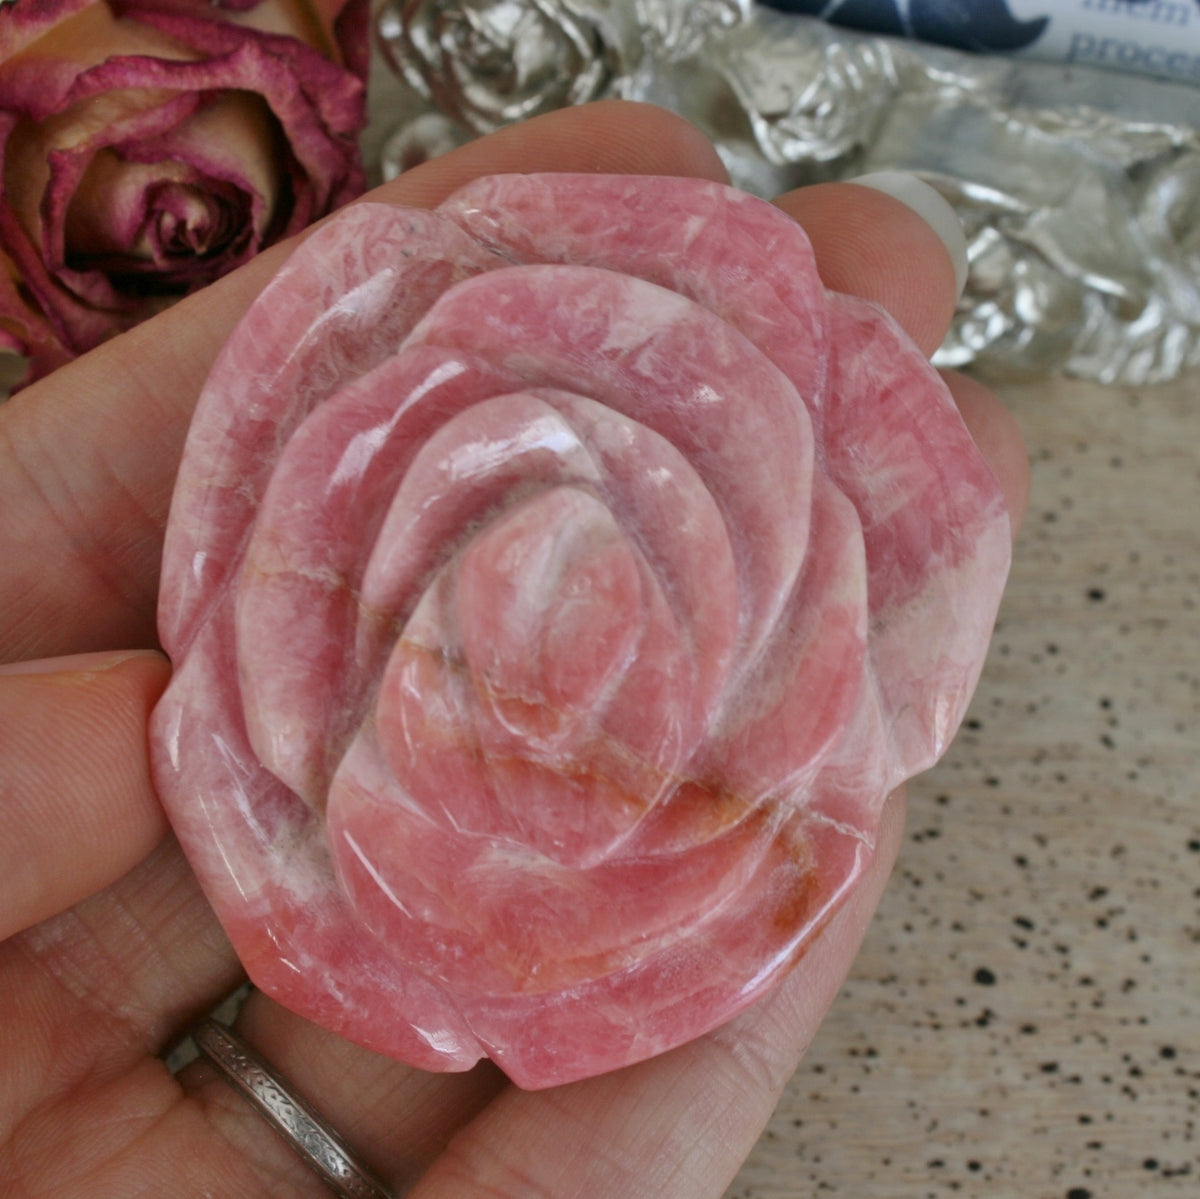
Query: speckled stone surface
[[1024, 1019]]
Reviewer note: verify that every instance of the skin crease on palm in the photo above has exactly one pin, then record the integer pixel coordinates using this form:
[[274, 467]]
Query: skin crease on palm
[[111, 949]]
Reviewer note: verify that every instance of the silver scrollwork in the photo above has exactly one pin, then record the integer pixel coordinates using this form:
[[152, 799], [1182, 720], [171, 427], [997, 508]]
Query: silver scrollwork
[[1079, 188]]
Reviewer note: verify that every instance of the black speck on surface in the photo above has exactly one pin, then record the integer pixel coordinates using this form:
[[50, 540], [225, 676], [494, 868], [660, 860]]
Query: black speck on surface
[[985, 977]]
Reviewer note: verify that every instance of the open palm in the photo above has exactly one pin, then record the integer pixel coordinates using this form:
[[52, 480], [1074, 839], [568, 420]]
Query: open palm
[[111, 949]]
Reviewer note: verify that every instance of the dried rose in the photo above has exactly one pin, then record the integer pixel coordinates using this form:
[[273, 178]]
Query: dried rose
[[150, 146], [557, 583]]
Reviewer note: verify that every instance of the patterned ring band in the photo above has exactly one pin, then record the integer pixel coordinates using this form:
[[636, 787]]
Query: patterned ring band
[[289, 1115]]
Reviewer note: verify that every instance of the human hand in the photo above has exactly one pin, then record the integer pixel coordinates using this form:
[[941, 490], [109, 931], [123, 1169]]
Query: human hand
[[113, 948]]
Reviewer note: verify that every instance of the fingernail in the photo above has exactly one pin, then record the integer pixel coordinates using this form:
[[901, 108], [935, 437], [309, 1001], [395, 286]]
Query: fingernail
[[931, 206], [97, 660]]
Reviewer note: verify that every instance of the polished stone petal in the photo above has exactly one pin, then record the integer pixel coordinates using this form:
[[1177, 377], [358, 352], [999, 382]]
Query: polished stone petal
[[557, 584]]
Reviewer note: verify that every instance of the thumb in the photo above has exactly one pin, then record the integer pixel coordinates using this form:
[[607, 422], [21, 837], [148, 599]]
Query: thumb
[[77, 809]]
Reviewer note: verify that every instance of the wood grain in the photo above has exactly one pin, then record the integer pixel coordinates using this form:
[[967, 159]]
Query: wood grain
[[1024, 1019]]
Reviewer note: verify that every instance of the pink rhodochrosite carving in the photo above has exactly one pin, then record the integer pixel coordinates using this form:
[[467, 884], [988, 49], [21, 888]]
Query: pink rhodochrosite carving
[[557, 583]]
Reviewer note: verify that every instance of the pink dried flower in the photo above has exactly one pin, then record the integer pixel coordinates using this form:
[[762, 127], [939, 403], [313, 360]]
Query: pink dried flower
[[150, 146]]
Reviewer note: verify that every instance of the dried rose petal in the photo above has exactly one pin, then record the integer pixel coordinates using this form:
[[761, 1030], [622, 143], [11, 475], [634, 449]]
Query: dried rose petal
[[150, 146], [557, 584]]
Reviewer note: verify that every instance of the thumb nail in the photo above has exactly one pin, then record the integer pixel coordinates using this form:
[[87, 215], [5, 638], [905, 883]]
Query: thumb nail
[[98, 660]]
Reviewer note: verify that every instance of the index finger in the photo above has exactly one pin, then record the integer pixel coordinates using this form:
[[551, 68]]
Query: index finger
[[88, 456]]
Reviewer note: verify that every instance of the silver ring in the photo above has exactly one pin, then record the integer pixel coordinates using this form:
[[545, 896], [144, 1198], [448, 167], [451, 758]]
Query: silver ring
[[307, 1133]]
